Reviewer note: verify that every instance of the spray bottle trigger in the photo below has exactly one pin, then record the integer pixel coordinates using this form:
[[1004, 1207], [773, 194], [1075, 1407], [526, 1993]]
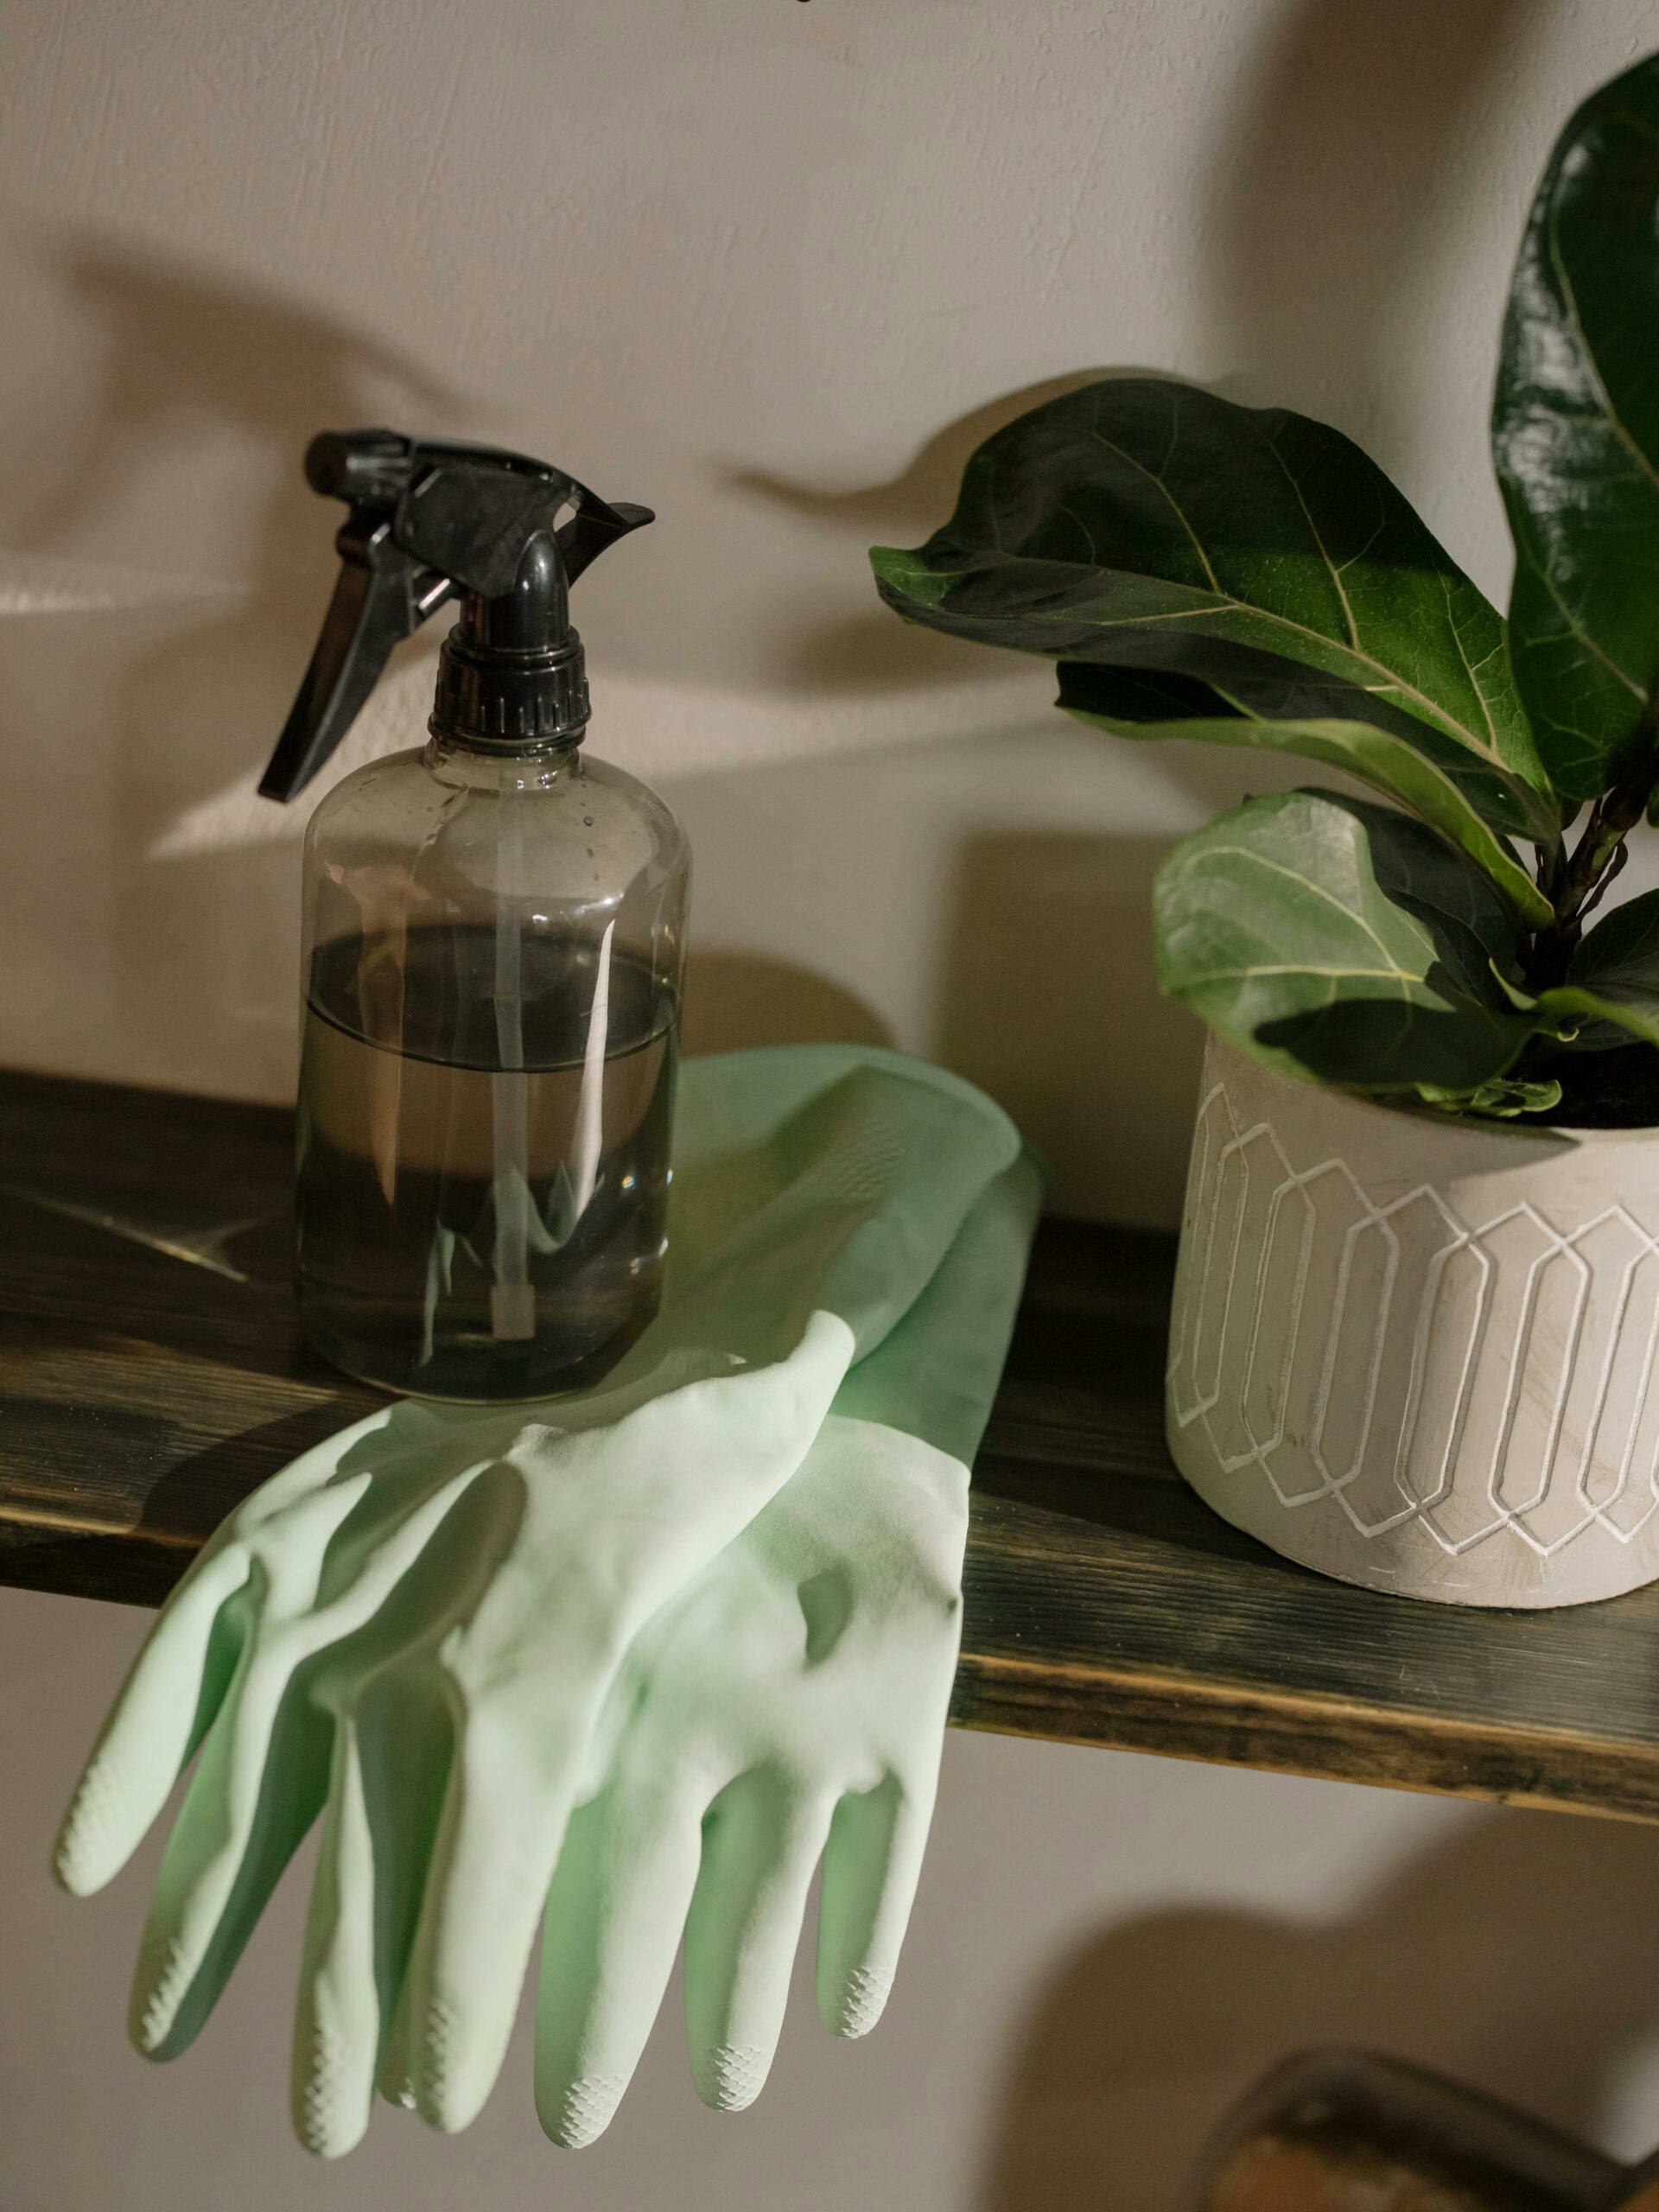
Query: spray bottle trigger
[[382, 596]]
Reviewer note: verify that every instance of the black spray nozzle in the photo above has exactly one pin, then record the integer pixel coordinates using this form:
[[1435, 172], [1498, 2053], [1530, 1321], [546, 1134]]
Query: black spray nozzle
[[428, 521]]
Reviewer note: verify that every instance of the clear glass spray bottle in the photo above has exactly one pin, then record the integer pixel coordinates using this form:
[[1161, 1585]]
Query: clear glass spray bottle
[[494, 928]]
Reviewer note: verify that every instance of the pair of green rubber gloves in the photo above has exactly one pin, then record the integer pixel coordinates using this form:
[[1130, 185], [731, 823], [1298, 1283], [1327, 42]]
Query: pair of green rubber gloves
[[628, 1665]]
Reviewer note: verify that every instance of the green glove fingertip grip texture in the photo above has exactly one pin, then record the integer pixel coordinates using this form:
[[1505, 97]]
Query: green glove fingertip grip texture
[[427, 1630]]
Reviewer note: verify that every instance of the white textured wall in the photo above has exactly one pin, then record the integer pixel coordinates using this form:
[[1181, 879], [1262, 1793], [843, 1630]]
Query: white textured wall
[[774, 268]]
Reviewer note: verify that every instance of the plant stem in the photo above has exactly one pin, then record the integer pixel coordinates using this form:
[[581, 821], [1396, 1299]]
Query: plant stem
[[1575, 885]]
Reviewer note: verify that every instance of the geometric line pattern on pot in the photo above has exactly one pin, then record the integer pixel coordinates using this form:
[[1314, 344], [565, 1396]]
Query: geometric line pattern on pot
[[1485, 1380]]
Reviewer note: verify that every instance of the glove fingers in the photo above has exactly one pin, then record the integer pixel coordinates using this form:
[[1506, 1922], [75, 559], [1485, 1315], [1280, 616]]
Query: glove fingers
[[384, 1796], [397, 2082], [760, 1850], [170, 1699], [871, 1866], [615, 1914], [337, 2027], [260, 1784], [492, 1867]]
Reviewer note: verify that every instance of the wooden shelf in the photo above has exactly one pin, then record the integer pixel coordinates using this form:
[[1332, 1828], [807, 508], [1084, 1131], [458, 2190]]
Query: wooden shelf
[[151, 1374]]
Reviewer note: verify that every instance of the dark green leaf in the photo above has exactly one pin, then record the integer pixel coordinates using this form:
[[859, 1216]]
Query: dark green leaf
[[1591, 1021], [1500, 1100], [1575, 436], [1342, 941], [1621, 953], [1613, 993], [1135, 703], [1143, 523]]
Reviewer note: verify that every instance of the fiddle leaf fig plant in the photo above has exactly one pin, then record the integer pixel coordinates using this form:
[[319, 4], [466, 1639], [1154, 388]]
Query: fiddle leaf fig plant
[[1247, 576]]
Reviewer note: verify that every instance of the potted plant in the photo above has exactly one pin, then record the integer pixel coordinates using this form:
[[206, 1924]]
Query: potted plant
[[1416, 1341]]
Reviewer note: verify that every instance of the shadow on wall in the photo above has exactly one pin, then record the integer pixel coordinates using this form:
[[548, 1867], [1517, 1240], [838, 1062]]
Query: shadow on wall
[[191, 358], [736, 999], [1050, 1000], [1323, 219], [1520, 1958], [875, 651], [1324, 215], [1323, 197], [917, 499], [1052, 1005], [1325, 200]]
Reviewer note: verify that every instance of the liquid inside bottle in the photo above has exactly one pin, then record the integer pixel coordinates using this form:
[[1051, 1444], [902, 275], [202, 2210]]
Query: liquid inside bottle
[[483, 1157]]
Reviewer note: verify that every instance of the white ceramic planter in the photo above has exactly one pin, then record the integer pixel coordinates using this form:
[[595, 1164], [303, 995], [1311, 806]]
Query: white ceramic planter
[[1420, 1354]]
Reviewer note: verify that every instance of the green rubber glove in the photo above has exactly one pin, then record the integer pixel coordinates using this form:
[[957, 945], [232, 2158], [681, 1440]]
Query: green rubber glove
[[789, 1706], [417, 1622]]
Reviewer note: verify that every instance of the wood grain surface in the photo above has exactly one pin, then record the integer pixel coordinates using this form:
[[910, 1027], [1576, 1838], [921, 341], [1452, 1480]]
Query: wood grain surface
[[151, 1373]]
